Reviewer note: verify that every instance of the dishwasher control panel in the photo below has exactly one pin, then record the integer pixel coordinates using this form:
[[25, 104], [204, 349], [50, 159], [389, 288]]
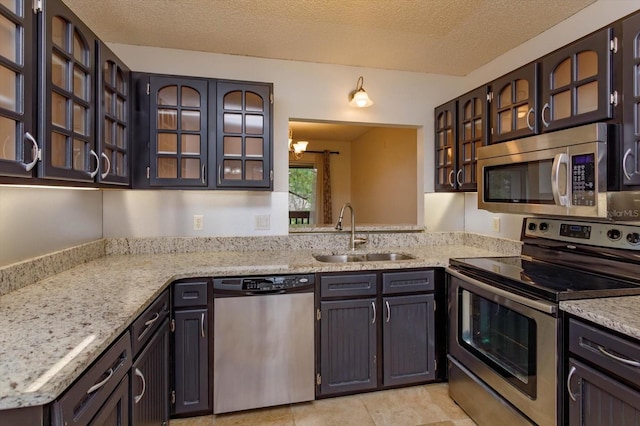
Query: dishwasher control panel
[[264, 284]]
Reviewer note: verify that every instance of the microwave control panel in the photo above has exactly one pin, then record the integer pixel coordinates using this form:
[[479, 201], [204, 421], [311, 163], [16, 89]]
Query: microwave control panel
[[583, 180]]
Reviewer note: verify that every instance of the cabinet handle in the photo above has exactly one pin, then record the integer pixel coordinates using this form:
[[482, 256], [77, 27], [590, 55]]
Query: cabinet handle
[[152, 320], [35, 150], [571, 372], [624, 164], [98, 385], [453, 185], [458, 178], [137, 398], [95, 172], [219, 174], [386, 302], [373, 305], [545, 122], [531, 111], [626, 361], [202, 325], [106, 173], [203, 171]]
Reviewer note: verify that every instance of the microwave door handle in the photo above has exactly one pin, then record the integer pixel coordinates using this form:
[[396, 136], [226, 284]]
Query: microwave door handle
[[558, 160]]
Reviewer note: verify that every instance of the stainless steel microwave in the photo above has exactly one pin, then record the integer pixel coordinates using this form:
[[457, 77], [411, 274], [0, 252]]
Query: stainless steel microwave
[[561, 173]]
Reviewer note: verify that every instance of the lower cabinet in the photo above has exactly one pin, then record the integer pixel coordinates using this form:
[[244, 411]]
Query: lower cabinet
[[603, 380], [386, 339], [115, 411], [191, 348]]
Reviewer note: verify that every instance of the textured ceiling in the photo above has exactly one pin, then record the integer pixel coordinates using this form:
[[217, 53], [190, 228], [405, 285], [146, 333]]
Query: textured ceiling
[[450, 37]]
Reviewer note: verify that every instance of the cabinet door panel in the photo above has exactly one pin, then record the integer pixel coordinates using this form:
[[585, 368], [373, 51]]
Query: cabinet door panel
[[472, 134], [446, 141], [409, 339], [67, 95], [17, 83], [631, 83], [115, 411], [348, 346], [576, 83]]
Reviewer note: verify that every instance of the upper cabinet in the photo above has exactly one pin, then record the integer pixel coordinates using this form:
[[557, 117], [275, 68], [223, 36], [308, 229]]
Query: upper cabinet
[[18, 148], [514, 104], [202, 133], [576, 82], [446, 142], [243, 135], [631, 95]]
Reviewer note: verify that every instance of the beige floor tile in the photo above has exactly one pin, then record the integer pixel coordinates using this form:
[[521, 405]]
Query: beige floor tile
[[440, 395], [403, 407], [277, 416], [343, 411]]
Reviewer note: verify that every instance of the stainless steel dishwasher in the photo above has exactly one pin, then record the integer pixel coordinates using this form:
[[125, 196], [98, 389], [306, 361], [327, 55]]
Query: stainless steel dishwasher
[[263, 341]]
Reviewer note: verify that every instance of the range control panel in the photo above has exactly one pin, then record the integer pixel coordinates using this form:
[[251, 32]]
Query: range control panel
[[599, 234]]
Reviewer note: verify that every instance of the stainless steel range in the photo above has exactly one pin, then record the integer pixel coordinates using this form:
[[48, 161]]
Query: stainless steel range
[[505, 331]]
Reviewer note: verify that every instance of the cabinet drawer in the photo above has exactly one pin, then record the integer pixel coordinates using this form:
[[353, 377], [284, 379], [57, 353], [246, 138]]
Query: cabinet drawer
[[348, 285], [148, 322], [609, 352], [85, 398], [408, 281], [190, 294]]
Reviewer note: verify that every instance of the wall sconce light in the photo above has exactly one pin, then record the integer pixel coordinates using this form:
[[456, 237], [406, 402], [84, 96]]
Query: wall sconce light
[[359, 98], [298, 148]]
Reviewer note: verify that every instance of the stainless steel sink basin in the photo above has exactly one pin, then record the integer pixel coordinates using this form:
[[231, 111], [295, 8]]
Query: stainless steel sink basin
[[369, 257]]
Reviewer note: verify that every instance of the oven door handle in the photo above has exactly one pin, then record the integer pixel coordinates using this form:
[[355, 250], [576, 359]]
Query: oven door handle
[[534, 304]]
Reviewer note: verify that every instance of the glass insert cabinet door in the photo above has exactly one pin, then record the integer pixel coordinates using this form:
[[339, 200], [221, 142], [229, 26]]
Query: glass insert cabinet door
[[179, 138], [445, 136], [67, 59], [18, 148], [243, 135]]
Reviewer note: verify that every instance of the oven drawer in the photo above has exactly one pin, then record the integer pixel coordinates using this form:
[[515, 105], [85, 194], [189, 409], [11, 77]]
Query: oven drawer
[[612, 353], [408, 281]]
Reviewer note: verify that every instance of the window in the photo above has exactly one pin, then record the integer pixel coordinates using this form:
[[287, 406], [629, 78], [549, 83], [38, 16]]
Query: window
[[303, 183]]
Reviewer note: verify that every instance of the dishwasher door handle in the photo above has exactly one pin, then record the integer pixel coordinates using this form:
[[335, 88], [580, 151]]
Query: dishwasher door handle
[[277, 291]]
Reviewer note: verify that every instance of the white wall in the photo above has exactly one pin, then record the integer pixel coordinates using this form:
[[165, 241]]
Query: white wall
[[35, 220]]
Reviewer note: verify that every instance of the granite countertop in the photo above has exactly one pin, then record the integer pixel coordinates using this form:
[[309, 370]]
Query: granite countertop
[[301, 229], [621, 314], [54, 329]]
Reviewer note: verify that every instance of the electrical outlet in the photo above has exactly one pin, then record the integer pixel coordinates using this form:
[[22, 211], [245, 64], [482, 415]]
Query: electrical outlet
[[263, 222], [495, 225], [198, 222]]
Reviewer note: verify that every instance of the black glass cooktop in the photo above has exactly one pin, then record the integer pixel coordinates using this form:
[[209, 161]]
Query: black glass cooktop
[[538, 278]]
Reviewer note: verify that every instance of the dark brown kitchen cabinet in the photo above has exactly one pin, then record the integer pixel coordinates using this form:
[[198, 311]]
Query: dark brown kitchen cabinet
[[577, 82], [630, 167], [472, 134], [446, 142], [192, 384], [244, 153], [602, 379], [113, 93], [18, 146], [514, 104], [115, 411]]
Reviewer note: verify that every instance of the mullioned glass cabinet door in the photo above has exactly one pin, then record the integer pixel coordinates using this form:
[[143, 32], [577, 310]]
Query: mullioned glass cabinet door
[[576, 83], [445, 142], [18, 147], [67, 103], [243, 136], [472, 134]]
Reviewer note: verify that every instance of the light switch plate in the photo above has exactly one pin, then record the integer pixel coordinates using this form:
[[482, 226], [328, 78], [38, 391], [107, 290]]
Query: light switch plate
[[495, 224]]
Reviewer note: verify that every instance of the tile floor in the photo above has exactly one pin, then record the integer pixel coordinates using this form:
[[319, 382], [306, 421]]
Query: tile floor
[[427, 405]]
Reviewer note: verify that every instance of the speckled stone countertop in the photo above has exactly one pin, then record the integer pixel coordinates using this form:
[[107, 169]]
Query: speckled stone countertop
[[54, 329], [621, 314], [299, 229]]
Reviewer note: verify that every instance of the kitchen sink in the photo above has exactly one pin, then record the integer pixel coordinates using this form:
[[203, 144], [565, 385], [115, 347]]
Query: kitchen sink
[[368, 257]]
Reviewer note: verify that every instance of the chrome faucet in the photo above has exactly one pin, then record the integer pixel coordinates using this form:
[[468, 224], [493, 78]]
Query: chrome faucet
[[353, 240]]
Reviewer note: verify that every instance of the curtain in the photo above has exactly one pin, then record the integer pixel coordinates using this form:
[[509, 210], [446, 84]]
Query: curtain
[[326, 188]]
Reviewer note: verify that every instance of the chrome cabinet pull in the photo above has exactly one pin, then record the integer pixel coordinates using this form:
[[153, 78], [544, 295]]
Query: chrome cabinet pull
[[571, 372], [458, 177], [106, 173], [531, 111], [624, 164], [152, 320], [202, 325], [95, 172], [35, 153], [453, 185], [137, 398], [373, 305], [558, 160], [545, 122], [626, 361], [203, 171], [388, 310], [98, 385], [219, 174]]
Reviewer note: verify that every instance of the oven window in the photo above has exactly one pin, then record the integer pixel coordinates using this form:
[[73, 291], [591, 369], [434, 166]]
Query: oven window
[[528, 182], [502, 338]]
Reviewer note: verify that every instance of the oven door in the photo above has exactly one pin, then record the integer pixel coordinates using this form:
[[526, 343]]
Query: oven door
[[508, 341]]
